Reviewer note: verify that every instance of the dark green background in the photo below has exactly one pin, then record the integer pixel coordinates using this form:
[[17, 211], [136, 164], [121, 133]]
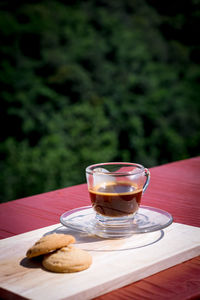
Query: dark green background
[[95, 81]]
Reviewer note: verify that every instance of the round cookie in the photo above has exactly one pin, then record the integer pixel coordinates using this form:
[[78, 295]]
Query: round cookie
[[67, 260], [49, 243]]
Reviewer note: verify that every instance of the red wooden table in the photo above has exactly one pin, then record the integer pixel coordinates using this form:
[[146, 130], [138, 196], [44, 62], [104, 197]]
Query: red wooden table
[[174, 187]]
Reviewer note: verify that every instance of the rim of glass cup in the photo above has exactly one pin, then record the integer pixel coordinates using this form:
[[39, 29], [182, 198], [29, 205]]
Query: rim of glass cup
[[90, 169]]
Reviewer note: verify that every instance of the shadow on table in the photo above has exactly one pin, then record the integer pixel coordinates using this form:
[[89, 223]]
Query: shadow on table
[[95, 243], [33, 263]]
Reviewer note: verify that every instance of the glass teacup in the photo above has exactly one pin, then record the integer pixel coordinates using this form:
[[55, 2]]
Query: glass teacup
[[115, 191]]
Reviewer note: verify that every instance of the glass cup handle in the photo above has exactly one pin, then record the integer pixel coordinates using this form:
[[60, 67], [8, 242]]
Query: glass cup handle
[[147, 174]]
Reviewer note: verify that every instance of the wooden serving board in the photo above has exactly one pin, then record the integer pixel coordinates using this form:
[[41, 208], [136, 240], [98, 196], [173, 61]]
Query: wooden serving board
[[115, 262]]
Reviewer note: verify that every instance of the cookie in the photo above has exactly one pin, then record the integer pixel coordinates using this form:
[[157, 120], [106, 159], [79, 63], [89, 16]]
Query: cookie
[[67, 260], [49, 243]]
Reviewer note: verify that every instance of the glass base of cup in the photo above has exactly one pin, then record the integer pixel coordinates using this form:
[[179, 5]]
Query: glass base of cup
[[116, 227]]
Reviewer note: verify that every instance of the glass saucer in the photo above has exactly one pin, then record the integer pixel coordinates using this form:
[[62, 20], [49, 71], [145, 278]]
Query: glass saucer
[[147, 219]]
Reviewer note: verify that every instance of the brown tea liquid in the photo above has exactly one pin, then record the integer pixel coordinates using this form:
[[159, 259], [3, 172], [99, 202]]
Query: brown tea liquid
[[116, 199]]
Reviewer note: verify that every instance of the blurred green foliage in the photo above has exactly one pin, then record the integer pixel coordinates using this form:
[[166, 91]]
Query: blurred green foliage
[[95, 81]]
